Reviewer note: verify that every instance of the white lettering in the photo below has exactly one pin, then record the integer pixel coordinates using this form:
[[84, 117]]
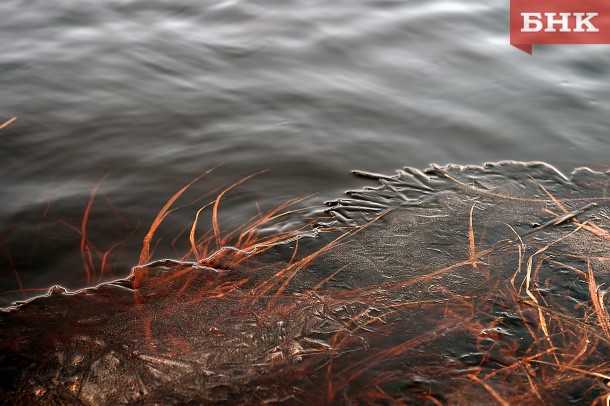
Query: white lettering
[[551, 22], [528, 21], [580, 22], [532, 22]]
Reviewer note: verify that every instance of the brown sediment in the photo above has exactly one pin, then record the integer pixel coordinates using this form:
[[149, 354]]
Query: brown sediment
[[453, 285]]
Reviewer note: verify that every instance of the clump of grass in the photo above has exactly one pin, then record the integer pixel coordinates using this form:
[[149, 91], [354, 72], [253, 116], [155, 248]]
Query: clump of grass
[[508, 318]]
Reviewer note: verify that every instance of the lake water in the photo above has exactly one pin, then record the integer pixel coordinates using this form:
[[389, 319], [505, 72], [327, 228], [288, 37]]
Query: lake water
[[146, 95]]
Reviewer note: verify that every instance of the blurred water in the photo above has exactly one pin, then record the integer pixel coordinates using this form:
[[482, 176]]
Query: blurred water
[[152, 93]]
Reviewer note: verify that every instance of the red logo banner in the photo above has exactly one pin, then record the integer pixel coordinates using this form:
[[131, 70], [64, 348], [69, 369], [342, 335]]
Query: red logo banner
[[559, 22]]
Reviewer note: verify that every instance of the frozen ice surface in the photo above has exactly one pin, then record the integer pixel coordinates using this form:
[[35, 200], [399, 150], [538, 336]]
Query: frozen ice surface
[[452, 285]]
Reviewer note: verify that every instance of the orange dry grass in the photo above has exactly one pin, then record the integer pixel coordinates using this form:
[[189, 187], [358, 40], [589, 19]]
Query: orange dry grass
[[145, 254], [576, 347], [560, 344], [7, 123], [95, 260], [216, 247], [85, 247]]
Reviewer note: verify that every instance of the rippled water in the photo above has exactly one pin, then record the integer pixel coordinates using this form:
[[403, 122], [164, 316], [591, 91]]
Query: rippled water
[[153, 93]]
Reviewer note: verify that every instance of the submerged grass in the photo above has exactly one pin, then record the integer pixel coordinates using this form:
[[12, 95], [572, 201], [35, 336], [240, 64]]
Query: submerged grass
[[529, 324], [561, 343]]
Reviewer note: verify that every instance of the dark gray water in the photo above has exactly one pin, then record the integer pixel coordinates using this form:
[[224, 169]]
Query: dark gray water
[[153, 93]]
